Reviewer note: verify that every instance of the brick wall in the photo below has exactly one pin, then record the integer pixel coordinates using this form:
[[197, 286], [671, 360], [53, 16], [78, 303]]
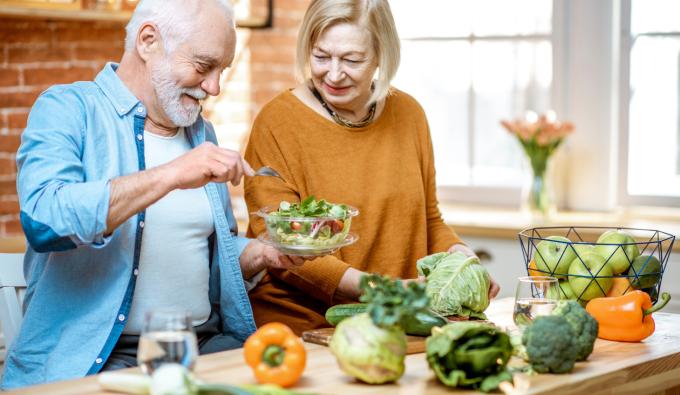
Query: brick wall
[[35, 54], [273, 52]]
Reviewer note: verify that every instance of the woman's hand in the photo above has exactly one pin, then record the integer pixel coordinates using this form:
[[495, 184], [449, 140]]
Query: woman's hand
[[494, 288], [349, 284], [348, 288], [420, 279], [461, 248]]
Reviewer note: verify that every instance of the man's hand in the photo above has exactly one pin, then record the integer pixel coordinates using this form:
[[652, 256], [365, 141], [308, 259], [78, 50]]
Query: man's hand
[[274, 259], [258, 256], [207, 163], [494, 288]]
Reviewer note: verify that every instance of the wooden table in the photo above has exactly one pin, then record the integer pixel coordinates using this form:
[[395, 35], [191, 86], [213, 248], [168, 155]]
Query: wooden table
[[650, 367]]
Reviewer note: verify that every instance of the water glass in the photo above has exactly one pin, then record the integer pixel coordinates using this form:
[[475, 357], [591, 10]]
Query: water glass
[[167, 337], [535, 296]]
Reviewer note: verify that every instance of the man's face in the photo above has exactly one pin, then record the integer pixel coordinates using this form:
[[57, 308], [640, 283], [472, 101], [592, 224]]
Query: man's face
[[192, 71]]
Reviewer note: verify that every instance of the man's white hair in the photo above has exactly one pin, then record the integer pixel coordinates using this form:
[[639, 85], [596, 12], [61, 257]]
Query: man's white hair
[[175, 19]]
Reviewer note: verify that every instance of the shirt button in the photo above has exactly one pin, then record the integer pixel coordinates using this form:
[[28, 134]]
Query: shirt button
[[135, 272], [140, 109], [140, 137], [141, 224], [121, 317], [98, 360], [121, 109]]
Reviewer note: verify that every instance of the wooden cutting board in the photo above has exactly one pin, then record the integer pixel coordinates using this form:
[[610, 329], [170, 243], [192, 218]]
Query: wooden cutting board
[[414, 345]]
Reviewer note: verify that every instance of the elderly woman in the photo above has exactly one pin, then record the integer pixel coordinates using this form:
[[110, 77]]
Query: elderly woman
[[347, 138]]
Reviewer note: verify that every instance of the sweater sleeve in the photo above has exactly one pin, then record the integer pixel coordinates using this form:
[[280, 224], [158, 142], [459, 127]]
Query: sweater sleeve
[[440, 237], [320, 277]]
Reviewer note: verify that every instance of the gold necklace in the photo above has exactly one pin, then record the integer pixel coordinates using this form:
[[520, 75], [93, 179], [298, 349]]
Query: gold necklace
[[340, 120]]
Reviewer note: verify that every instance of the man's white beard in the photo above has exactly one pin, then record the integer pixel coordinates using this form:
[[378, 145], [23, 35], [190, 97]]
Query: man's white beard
[[170, 96]]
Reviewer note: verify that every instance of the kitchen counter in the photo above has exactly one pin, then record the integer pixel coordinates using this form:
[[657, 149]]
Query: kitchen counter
[[504, 223], [652, 366]]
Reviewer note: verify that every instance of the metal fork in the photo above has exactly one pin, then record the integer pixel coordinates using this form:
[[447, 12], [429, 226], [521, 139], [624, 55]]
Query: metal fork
[[269, 172]]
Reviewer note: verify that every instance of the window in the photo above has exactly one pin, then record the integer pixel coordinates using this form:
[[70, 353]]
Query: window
[[469, 68], [650, 110]]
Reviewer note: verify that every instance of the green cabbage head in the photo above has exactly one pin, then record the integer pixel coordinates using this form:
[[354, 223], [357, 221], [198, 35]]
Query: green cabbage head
[[456, 284], [371, 354]]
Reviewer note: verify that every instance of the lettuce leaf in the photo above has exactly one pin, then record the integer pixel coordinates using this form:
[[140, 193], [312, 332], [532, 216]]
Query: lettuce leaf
[[469, 354], [456, 284]]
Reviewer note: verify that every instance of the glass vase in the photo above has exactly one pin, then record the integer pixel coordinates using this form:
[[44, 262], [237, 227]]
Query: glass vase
[[538, 196]]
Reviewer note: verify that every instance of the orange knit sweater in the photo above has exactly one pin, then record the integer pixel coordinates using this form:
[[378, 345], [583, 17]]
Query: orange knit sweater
[[385, 169]]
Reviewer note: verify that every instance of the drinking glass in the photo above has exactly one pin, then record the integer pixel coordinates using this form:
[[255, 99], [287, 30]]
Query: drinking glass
[[535, 296], [167, 337]]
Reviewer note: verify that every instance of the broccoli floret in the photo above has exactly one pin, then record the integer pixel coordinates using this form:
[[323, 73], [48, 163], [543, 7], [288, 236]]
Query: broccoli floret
[[584, 325], [550, 344]]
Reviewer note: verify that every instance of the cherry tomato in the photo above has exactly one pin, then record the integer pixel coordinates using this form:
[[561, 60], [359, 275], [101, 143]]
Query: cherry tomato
[[337, 226], [295, 225]]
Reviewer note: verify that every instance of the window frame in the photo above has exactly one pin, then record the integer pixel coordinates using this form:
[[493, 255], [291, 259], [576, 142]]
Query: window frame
[[508, 196], [626, 45]]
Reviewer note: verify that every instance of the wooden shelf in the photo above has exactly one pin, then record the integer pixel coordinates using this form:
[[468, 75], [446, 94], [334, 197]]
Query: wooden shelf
[[59, 14], [101, 15]]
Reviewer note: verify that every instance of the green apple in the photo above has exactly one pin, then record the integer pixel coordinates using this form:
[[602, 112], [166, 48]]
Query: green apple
[[652, 292], [563, 292], [590, 276], [648, 271], [615, 246], [581, 249], [553, 255]]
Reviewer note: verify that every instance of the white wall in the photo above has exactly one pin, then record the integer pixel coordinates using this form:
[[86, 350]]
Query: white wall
[[586, 85]]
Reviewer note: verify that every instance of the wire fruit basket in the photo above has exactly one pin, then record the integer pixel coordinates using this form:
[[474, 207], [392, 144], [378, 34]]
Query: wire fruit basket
[[592, 262]]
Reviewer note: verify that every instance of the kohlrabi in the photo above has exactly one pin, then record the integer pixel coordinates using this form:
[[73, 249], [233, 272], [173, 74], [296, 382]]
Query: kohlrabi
[[371, 346]]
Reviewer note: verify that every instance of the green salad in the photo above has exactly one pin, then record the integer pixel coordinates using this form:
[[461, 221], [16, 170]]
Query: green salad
[[314, 223]]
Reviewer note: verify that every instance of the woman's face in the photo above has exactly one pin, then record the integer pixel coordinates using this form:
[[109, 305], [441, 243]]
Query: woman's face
[[343, 65]]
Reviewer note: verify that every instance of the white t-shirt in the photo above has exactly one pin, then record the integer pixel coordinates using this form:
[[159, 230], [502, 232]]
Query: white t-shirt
[[174, 267]]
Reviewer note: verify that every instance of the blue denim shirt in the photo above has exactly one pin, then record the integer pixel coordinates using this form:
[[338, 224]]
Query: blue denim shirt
[[80, 282]]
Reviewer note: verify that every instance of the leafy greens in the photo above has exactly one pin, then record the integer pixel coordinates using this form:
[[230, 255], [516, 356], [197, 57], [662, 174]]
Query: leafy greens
[[389, 301], [469, 354], [311, 207], [456, 284]]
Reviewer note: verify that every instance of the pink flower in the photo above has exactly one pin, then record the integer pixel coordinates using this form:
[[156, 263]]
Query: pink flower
[[544, 130]]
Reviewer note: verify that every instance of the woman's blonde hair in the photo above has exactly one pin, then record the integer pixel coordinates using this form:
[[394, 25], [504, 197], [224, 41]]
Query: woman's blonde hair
[[374, 15]]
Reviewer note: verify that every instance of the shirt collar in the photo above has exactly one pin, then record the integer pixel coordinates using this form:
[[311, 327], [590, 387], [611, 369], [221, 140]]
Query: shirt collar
[[120, 96]]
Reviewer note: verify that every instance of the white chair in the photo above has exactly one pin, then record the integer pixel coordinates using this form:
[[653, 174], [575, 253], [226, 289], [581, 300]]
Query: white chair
[[12, 288]]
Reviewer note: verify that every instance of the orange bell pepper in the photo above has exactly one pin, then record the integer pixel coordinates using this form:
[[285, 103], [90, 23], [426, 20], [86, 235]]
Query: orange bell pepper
[[276, 355], [626, 318]]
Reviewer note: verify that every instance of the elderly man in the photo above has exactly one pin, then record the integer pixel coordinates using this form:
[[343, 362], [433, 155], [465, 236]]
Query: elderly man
[[125, 206]]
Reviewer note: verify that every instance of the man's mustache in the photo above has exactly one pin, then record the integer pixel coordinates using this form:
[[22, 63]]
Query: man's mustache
[[196, 93]]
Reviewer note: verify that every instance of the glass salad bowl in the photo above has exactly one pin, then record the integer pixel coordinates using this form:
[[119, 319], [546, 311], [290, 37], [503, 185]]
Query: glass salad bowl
[[310, 228]]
